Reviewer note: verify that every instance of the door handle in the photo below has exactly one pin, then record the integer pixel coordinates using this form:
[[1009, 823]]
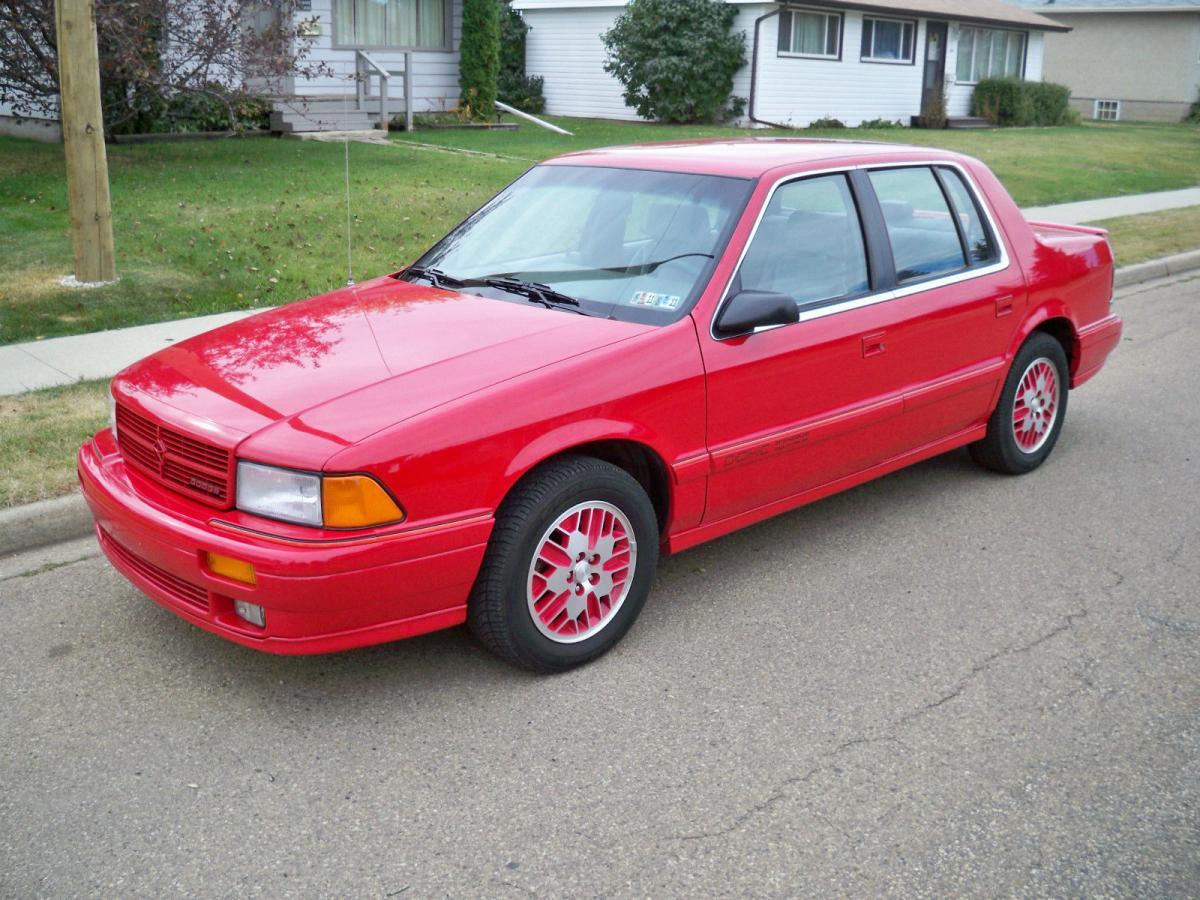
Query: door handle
[[872, 344], [1004, 306]]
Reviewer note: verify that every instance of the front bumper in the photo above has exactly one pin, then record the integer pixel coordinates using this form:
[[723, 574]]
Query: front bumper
[[320, 595]]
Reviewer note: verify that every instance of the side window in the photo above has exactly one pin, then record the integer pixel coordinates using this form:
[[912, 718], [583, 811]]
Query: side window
[[980, 247], [809, 244], [922, 233]]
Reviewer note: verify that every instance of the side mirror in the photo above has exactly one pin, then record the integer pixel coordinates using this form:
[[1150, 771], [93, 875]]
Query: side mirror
[[748, 310]]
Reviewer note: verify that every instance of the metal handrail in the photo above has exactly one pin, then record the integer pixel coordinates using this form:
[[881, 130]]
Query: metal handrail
[[363, 64]]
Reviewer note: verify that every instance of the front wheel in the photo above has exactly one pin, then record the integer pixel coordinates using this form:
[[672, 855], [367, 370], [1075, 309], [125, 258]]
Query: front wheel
[[568, 566], [1027, 421]]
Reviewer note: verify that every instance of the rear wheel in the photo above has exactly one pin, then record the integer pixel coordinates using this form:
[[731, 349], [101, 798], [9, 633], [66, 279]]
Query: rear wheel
[[568, 566], [1026, 423]]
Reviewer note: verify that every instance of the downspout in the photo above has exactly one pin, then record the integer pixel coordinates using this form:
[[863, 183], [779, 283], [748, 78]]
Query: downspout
[[754, 71]]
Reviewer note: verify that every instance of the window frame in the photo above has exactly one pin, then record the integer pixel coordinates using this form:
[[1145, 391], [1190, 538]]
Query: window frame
[[878, 245], [879, 61], [447, 30], [1115, 110], [974, 46], [827, 14], [872, 264]]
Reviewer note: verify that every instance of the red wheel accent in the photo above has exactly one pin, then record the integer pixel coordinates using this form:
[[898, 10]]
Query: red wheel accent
[[1035, 406], [581, 571]]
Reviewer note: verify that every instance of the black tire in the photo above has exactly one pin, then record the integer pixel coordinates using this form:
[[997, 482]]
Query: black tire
[[999, 450], [498, 611]]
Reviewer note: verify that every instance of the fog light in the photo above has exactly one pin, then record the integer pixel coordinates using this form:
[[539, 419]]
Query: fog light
[[251, 612], [228, 567]]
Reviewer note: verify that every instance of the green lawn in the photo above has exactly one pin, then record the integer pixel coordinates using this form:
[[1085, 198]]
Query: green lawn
[[1139, 238], [1039, 166], [40, 433], [210, 226]]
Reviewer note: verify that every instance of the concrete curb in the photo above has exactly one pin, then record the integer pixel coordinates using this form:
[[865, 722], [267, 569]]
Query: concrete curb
[[67, 518], [1157, 268], [45, 522]]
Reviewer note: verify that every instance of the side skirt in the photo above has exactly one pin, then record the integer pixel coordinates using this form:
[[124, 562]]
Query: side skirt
[[710, 530]]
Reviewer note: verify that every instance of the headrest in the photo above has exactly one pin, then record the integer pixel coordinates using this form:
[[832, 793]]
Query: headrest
[[896, 210], [688, 223]]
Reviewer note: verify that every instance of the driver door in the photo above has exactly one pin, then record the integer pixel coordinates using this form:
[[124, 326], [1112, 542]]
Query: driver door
[[794, 407]]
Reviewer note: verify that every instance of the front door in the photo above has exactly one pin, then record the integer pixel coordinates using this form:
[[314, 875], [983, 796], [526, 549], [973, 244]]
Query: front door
[[796, 407], [935, 66]]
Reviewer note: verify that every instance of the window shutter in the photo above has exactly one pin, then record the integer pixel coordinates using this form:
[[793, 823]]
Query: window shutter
[[785, 31]]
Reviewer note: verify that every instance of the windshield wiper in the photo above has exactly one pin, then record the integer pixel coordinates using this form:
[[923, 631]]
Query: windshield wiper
[[531, 290], [436, 277]]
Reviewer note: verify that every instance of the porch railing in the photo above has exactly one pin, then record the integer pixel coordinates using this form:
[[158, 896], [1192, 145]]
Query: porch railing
[[365, 69]]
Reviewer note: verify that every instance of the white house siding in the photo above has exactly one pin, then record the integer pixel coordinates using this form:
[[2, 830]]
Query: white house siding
[[958, 96], [564, 46], [794, 91], [435, 72]]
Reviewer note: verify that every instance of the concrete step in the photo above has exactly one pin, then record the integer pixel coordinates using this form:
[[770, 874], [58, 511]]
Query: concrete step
[[289, 121], [968, 122]]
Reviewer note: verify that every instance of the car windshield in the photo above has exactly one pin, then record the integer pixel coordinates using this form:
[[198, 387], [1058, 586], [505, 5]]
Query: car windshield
[[626, 243]]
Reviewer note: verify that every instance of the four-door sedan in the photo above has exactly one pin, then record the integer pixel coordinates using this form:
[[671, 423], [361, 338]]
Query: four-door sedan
[[625, 353]]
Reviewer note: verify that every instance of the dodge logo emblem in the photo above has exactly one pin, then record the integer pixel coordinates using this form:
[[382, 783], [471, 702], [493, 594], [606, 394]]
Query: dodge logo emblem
[[160, 452]]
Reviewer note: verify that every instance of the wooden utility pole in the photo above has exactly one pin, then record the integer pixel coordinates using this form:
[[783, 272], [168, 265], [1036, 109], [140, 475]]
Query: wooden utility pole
[[83, 140]]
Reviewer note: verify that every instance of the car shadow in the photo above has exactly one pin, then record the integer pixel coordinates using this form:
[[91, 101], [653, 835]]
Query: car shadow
[[452, 663]]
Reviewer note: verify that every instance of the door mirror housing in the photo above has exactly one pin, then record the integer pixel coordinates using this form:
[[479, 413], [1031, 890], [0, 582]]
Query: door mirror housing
[[747, 310]]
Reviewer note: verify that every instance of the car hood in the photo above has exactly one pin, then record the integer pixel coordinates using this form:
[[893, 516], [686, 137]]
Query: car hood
[[313, 377]]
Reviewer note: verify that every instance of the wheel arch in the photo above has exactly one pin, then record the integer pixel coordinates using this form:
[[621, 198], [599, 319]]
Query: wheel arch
[[1053, 318], [631, 452]]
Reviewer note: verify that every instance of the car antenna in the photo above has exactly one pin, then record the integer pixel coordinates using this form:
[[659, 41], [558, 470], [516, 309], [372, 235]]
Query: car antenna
[[349, 220]]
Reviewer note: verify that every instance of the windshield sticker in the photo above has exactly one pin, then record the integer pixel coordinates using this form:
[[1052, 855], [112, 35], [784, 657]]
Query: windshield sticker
[[655, 299]]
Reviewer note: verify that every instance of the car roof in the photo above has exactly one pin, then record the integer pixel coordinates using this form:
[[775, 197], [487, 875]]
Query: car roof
[[749, 157]]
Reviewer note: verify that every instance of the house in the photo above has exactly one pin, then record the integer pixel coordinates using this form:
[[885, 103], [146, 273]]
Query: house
[[348, 37], [357, 36], [854, 61], [1125, 59]]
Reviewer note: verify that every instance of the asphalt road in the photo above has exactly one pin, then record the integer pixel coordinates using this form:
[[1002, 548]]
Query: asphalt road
[[945, 682]]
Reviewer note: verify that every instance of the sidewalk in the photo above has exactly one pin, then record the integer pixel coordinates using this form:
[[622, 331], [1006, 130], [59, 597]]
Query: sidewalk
[[39, 364], [101, 354], [1086, 211]]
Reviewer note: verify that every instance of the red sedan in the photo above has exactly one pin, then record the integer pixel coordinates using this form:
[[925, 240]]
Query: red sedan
[[625, 353]]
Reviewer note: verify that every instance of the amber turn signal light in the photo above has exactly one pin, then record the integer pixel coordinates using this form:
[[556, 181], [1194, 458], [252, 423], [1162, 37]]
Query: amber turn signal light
[[233, 569], [356, 501]]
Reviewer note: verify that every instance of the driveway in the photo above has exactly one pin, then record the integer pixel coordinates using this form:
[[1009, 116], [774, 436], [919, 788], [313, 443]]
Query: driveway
[[944, 682]]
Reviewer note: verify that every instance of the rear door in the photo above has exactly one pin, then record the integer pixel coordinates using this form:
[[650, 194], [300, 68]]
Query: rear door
[[956, 298]]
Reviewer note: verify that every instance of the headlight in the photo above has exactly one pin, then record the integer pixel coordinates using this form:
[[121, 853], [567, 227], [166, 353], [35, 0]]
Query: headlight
[[279, 493], [332, 501], [112, 411]]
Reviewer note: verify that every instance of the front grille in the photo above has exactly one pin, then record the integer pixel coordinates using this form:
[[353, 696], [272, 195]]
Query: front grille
[[183, 463], [183, 592]]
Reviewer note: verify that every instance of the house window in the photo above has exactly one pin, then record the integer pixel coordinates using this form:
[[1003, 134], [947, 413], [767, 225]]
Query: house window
[[390, 24], [804, 32], [989, 53], [888, 40], [1108, 110]]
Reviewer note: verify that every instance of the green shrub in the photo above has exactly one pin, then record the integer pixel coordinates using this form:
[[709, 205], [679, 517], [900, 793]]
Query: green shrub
[[479, 58], [217, 109], [1010, 101], [513, 86], [827, 122], [676, 58], [880, 123], [1048, 102], [1001, 101]]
